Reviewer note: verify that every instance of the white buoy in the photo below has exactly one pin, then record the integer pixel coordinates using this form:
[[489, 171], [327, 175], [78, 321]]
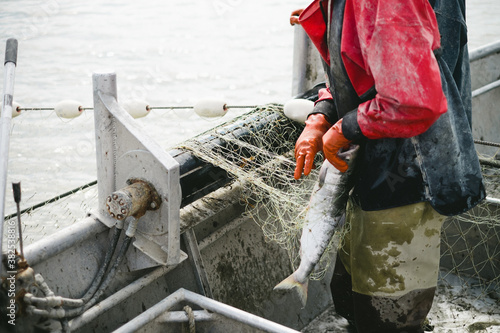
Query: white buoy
[[16, 109], [68, 108], [136, 108], [298, 109], [210, 108]]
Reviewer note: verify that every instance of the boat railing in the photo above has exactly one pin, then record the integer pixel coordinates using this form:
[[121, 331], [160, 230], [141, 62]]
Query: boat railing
[[162, 314], [485, 84]]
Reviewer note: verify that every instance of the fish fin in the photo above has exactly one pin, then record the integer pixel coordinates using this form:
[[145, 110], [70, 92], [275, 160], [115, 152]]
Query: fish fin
[[292, 283]]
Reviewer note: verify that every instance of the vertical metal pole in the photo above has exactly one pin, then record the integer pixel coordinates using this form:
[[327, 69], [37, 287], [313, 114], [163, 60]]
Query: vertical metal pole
[[307, 68], [16, 188], [196, 259], [5, 119], [104, 83], [300, 55]]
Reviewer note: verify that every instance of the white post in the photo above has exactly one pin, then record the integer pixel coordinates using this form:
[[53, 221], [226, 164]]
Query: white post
[[104, 83], [5, 119], [307, 68]]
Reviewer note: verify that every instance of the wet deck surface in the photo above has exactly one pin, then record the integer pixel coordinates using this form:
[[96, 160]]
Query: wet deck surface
[[328, 322], [457, 308]]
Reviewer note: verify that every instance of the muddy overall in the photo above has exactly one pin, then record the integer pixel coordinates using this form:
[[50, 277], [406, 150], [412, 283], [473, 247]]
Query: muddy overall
[[387, 268]]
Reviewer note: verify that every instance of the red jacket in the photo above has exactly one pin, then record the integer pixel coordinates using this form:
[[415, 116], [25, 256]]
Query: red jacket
[[393, 52]]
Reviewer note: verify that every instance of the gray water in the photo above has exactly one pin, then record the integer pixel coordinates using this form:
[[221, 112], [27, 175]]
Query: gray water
[[168, 53]]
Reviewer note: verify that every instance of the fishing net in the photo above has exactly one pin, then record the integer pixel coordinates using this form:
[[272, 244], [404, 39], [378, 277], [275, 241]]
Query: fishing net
[[257, 150], [471, 241], [262, 160], [49, 155], [45, 218], [468, 298]]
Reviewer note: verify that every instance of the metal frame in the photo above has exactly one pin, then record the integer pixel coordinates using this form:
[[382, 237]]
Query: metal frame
[[159, 313], [124, 152]]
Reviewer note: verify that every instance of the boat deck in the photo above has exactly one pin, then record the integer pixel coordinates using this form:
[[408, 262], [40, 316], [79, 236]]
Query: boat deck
[[457, 307]]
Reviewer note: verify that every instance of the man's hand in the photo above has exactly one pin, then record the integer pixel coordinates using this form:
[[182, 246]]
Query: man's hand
[[310, 143], [294, 17], [333, 141]]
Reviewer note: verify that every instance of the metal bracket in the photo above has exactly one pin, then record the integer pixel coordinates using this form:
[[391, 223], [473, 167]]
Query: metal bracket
[[125, 153]]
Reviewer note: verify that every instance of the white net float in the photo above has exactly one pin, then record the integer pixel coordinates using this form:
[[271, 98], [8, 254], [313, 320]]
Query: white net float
[[136, 108], [16, 109], [68, 108], [210, 108], [298, 109]]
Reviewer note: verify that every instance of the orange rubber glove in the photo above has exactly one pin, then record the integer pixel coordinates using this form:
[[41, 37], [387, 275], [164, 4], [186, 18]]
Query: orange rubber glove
[[310, 143], [333, 141], [294, 17]]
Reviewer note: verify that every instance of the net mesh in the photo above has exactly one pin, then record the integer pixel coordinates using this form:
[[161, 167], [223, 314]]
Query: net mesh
[[263, 162], [468, 298], [257, 148], [50, 217]]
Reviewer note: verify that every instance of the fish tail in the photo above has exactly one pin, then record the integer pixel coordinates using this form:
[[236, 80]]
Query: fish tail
[[292, 283]]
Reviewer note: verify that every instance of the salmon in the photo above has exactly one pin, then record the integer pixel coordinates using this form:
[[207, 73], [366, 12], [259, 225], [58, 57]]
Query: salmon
[[325, 215]]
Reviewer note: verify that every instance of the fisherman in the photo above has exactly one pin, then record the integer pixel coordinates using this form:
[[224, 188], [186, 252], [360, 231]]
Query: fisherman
[[402, 92]]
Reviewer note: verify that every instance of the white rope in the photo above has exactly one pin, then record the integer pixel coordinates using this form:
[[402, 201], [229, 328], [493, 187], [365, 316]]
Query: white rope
[[190, 314]]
